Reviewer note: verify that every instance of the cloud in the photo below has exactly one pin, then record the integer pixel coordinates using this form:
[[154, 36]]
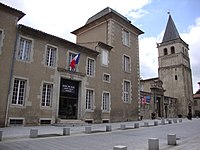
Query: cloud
[[192, 37]]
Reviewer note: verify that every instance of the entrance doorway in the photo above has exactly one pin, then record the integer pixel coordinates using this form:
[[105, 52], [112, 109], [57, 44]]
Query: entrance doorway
[[68, 102]]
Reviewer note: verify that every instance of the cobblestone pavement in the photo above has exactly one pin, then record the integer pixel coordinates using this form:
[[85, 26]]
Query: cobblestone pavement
[[187, 133]]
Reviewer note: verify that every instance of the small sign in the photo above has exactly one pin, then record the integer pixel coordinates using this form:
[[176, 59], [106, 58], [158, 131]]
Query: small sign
[[68, 88]]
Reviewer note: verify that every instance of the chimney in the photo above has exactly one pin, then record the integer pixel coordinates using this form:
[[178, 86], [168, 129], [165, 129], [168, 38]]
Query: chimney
[[199, 84]]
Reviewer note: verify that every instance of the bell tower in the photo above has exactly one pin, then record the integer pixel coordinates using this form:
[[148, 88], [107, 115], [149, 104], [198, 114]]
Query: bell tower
[[174, 68]]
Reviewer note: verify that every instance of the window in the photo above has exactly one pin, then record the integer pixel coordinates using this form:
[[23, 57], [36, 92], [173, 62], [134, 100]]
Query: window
[[127, 64], [125, 37], [106, 77], [24, 52], [195, 103], [1, 40], [18, 92], [47, 92], [90, 67], [51, 56], [106, 101], [176, 78], [172, 50], [126, 91], [89, 99], [165, 51], [104, 57]]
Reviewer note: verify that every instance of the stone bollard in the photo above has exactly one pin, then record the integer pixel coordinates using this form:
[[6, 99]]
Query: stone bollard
[[180, 120], [88, 129], [66, 131], [119, 147], [153, 144], [155, 123], [1, 135], [175, 120], [136, 125], [170, 121], [171, 139], [162, 121], [122, 126], [33, 133], [146, 124], [108, 128]]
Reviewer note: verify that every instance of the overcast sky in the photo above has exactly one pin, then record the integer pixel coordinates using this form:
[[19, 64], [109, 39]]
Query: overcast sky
[[60, 17]]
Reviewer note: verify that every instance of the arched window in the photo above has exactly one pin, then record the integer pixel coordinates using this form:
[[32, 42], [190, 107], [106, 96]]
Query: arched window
[[165, 51], [172, 50]]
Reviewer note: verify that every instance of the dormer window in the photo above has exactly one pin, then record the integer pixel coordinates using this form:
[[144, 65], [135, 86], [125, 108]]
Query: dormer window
[[165, 51]]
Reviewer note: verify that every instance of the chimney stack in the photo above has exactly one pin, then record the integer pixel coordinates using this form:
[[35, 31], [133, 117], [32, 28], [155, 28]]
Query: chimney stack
[[199, 84]]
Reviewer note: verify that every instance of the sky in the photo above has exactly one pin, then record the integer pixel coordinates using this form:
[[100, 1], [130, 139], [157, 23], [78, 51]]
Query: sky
[[60, 17]]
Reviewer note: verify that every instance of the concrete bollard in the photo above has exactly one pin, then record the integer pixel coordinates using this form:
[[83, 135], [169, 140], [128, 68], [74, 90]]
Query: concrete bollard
[[66, 131], [1, 135], [88, 129], [108, 128], [136, 125], [119, 147], [170, 121], [180, 120], [162, 121], [146, 124], [153, 144], [175, 120], [155, 123], [33, 133], [122, 126], [171, 139]]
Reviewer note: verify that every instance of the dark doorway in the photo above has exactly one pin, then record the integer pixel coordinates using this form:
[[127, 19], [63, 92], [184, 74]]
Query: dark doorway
[[158, 107], [68, 104]]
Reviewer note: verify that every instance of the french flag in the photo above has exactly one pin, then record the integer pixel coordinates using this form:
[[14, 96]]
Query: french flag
[[74, 61]]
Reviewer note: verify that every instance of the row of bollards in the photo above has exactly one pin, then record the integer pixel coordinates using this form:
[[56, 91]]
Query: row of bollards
[[153, 143], [88, 129]]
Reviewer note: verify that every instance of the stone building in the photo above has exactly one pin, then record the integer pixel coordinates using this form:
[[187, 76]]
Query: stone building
[[39, 86], [169, 95], [153, 102], [196, 98], [174, 68]]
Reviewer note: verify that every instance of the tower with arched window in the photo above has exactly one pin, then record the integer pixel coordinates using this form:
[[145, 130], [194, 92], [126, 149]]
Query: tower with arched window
[[174, 68]]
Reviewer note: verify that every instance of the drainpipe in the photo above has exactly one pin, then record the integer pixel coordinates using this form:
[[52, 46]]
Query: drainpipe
[[10, 77]]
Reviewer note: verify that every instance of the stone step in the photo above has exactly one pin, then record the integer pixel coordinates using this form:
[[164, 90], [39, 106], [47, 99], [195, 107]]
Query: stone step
[[70, 122]]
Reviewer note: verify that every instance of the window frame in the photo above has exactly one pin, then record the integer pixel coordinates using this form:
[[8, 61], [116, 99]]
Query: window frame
[[90, 70], [89, 103], [16, 93], [106, 101], [22, 53], [45, 101], [126, 94], [48, 62], [165, 51], [1, 40], [103, 59], [126, 37], [109, 78], [126, 67]]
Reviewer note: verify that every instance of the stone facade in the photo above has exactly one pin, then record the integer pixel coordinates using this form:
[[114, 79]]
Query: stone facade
[[154, 103], [174, 68], [39, 87]]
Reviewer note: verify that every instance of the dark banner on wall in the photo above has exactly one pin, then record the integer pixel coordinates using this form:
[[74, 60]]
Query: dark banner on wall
[[69, 88]]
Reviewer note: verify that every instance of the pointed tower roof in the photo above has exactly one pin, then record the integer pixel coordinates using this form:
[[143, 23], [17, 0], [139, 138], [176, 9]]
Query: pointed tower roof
[[171, 32]]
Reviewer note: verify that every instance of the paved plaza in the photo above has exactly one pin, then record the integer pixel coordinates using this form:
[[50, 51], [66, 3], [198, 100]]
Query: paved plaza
[[50, 137]]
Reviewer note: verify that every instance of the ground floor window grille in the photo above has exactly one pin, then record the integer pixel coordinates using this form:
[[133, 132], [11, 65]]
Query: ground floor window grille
[[89, 99]]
